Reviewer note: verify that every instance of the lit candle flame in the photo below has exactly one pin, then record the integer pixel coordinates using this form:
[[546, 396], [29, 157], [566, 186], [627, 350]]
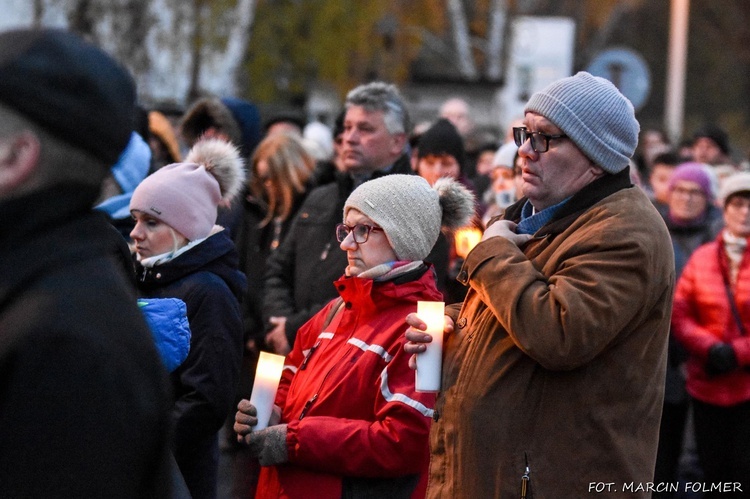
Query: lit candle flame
[[466, 239]]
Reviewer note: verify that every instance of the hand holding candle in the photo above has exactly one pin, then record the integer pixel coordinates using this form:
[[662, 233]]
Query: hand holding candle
[[430, 362], [267, 377]]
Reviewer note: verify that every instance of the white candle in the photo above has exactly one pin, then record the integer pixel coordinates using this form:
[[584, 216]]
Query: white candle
[[267, 377], [430, 362]]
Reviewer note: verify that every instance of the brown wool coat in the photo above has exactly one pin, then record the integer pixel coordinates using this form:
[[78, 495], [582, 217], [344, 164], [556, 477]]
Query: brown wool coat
[[559, 355]]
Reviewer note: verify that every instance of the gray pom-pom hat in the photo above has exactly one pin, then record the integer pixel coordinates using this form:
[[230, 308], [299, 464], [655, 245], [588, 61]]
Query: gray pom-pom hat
[[411, 212]]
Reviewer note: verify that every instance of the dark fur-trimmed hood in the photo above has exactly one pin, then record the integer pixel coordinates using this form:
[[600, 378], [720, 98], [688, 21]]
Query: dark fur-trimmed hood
[[239, 119]]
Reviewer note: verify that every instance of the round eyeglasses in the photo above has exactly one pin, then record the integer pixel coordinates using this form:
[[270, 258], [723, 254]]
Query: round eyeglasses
[[539, 140], [360, 232]]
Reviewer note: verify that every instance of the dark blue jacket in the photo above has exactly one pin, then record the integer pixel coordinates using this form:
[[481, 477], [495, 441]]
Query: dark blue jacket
[[206, 278]]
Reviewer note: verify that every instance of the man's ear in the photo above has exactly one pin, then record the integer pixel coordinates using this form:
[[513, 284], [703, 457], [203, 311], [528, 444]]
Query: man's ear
[[398, 144], [19, 159]]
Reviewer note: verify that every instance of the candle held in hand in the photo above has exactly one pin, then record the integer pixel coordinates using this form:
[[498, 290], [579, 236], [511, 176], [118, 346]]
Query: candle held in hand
[[267, 377], [430, 362]]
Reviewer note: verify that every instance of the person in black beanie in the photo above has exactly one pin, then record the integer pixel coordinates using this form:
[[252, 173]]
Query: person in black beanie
[[711, 146], [84, 398], [441, 154]]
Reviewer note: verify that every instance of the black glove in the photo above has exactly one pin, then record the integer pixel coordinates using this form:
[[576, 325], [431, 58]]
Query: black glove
[[721, 359], [269, 445]]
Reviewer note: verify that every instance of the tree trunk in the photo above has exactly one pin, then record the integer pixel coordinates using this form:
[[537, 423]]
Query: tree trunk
[[466, 64], [196, 46], [495, 39], [38, 13], [80, 18], [237, 45]]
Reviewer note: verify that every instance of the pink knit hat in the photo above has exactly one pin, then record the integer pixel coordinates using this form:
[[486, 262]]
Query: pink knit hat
[[186, 195]]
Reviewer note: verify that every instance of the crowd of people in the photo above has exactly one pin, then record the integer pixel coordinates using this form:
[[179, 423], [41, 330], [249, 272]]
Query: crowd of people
[[597, 328]]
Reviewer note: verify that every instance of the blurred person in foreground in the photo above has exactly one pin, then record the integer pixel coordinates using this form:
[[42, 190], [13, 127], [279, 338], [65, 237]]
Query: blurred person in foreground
[[711, 319], [553, 370], [351, 423], [84, 398]]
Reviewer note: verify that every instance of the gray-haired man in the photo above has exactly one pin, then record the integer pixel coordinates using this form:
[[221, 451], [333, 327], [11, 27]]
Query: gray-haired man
[[301, 272]]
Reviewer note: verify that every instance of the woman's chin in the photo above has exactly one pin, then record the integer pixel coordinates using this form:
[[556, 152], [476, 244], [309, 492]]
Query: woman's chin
[[353, 270]]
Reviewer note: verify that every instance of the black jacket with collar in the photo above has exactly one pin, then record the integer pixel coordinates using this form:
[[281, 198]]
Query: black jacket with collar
[[84, 398], [300, 275], [255, 245]]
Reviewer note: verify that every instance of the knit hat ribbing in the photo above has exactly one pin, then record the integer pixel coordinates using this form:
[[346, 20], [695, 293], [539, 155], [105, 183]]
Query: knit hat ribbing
[[186, 195], [411, 212], [594, 115]]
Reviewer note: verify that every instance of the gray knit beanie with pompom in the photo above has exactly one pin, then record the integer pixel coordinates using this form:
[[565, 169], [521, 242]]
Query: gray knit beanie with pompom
[[411, 212]]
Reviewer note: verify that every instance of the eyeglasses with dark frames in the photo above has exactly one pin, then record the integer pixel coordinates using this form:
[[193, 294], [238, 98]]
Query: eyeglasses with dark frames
[[360, 232], [539, 140]]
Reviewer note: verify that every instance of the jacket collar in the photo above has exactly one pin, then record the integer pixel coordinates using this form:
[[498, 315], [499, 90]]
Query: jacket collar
[[365, 294], [581, 201], [50, 229], [21, 218], [216, 254]]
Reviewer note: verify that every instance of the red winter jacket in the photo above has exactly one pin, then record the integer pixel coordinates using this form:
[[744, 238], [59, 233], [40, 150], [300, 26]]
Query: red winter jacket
[[702, 317], [347, 395]]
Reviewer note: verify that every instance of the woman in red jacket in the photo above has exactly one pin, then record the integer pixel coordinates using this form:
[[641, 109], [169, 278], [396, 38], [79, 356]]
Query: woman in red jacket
[[711, 318], [351, 422]]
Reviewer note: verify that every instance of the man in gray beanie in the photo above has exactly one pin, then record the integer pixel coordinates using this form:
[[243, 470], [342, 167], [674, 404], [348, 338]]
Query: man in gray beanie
[[554, 364], [84, 399]]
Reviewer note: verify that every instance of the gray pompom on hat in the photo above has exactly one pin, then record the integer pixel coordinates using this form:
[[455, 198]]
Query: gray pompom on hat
[[411, 212], [594, 115]]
